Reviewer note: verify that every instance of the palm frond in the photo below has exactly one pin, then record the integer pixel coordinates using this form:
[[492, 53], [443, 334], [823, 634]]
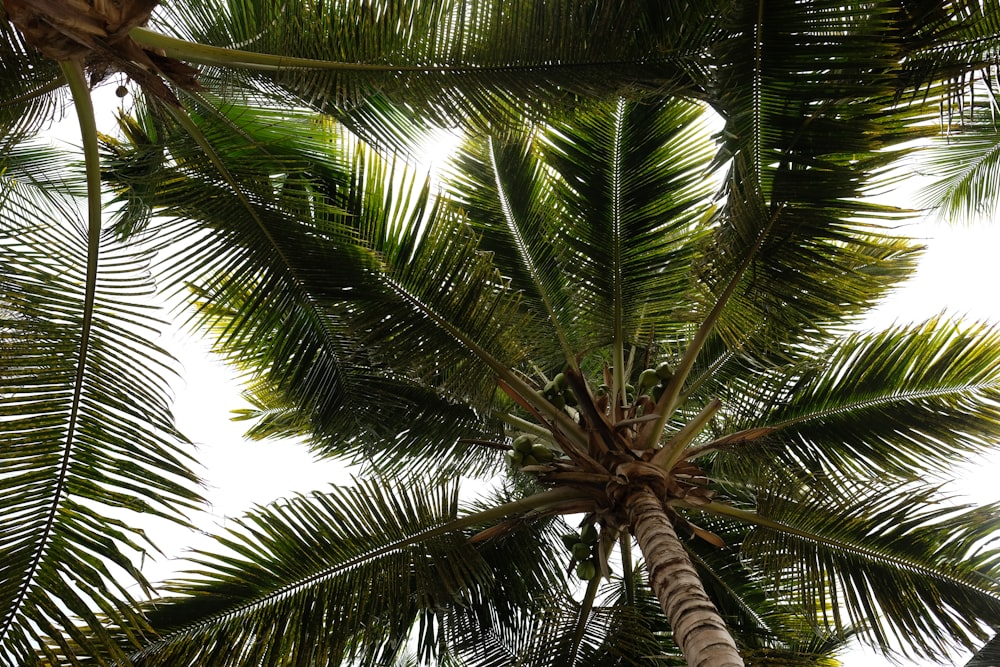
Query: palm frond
[[907, 402], [965, 168], [378, 558], [948, 41], [32, 89], [594, 222], [39, 168], [88, 440], [547, 634], [954, 67], [808, 119], [286, 309], [988, 655], [502, 188], [633, 187], [479, 62], [895, 563]]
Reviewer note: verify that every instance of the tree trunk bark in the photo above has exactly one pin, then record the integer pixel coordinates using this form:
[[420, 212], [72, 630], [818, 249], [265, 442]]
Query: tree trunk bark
[[698, 627]]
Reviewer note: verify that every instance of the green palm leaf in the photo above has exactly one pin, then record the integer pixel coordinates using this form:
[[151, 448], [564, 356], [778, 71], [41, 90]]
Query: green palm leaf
[[446, 61], [949, 41], [967, 179], [382, 560], [30, 86], [808, 113], [502, 187], [88, 442], [272, 305], [987, 655], [899, 575], [963, 181], [595, 218], [906, 402], [634, 184]]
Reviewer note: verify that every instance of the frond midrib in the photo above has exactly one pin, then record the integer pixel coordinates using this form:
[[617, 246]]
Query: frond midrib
[[524, 250], [74, 74]]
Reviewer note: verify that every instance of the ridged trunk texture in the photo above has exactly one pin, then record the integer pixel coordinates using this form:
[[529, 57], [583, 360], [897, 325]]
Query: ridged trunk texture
[[698, 627]]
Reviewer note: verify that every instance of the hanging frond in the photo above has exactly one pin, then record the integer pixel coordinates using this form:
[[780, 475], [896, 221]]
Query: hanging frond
[[88, 442], [908, 402], [896, 565], [480, 63], [806, 94], [332, 335], [948, 41], [377, 560], [966, 174], [32, 89]]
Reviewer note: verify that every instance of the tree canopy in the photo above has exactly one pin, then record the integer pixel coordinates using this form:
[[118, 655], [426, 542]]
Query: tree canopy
[[648, 265]]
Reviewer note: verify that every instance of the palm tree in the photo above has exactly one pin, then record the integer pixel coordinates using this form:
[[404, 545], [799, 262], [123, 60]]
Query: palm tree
[[664, 352], [804, 109]]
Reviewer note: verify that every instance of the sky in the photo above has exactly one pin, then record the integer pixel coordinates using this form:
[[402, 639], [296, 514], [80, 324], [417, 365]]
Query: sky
[[957, 275]]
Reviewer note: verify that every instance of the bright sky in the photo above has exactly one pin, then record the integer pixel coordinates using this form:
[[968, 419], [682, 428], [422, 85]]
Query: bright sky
[[957, 275]]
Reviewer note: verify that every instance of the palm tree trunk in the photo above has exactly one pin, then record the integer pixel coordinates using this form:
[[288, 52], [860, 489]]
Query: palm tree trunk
[[698, 627]]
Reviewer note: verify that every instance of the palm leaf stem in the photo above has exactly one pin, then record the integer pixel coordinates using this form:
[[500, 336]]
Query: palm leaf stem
[[511, 379], [545, 500], [673, 450], [898, 397], [529, 260], [911, 565], [758, 59], [625, 547], [586, 606], [744, 437], [205, 54], [618, 314], [195, 132], [670, 399], [526, 426], [73, 71], [752, 435]]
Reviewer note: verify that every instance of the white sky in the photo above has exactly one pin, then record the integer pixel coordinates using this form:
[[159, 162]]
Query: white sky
[[957, 275]]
